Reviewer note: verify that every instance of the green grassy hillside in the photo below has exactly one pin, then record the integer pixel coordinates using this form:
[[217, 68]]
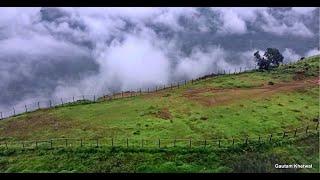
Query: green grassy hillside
[[248, 104], [255, 158]]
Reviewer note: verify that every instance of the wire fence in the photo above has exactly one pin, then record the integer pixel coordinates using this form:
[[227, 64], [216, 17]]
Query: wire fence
[[53, 103], [161, 143]]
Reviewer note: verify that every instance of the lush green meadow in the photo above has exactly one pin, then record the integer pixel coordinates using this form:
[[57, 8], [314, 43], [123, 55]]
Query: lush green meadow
[[252, 158], [255, 103], [193, 111]]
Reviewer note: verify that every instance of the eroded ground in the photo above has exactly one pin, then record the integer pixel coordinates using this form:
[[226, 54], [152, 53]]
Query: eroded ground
[[216, 96]]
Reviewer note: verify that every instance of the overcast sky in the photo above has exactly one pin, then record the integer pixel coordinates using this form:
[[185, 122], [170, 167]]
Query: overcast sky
[[64, 52]]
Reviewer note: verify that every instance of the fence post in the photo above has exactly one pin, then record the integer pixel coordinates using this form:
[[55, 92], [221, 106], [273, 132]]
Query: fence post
[[38, 105], [121, 93], [97, 142], [6, 145], [164, 86], [140, 90], [50, 103], [61, 102], [73, 99], [246, 141], [81, 144], [159, 143], [185, 82], [307, 129], [156, 88], [295, 132], [284, 134], [205, 143], [178, 84], [148, 90], [66, 142], [22, 145], [191, 81], [270, 138], [36, 144], [14, 111], [190, 143], [1, 115], [127, 142], [83, 97], [259, 139], [232, 141], [174, 143], [111, 142], [94, 98], [219, 143], [51, 143]]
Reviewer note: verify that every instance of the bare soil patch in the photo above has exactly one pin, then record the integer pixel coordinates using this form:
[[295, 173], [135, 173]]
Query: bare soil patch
[[164, 113], [299, 75], [23, 127], [213, 96]]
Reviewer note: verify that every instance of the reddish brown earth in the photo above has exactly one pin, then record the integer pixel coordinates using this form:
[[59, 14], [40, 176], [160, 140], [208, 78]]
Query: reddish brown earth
[[25, 126], [164, 114], [214, 96]]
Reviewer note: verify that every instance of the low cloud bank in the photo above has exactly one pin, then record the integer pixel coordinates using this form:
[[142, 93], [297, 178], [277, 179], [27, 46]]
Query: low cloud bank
[[52, 53]]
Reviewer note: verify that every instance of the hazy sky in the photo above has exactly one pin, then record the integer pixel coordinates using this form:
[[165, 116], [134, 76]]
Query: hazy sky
[[63, 52]]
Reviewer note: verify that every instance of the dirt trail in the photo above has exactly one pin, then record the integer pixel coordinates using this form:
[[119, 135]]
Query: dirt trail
[[212, 96]]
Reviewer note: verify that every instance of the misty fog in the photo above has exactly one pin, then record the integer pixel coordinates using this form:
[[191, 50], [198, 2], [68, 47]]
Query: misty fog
[[48, 53]]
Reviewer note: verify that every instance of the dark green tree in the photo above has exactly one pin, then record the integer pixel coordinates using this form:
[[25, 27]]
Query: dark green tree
[[271, 58], [262, 62]]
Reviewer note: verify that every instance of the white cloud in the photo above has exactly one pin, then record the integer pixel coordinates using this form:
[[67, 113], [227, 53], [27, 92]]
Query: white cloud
[[290, 56], [298, 29], [232, 23], [235, 21], [143, 65], [278, 27], [201, 62], [129, 53], [134, 63], [312, 52], [303, 10]]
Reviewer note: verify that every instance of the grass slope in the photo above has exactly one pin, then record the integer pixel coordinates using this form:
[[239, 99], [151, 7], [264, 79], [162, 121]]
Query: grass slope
[[239, 159], [230, 105], [249, 104]]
